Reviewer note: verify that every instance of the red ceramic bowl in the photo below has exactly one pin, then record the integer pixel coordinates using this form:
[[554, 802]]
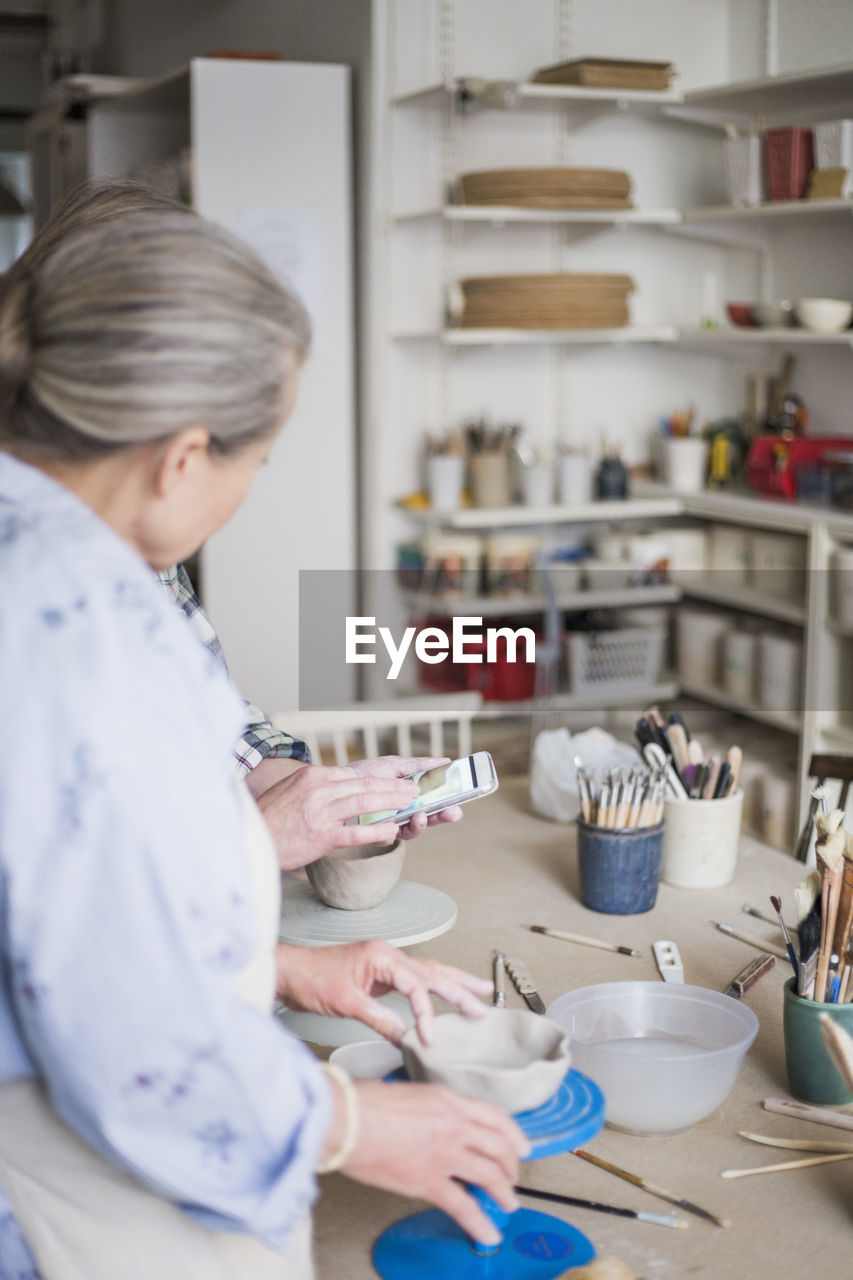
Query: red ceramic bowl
[[740, 313]]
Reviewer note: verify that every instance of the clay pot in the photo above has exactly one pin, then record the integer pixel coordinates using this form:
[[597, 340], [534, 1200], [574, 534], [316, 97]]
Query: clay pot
[[359, 877], [511, 1057]]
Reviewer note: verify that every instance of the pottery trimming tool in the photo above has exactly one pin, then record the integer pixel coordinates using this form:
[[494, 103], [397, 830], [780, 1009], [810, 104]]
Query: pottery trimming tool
[[803, 1111], [524, 984], [668, 960], [750, 939], [499, 1000], [535, 1246]]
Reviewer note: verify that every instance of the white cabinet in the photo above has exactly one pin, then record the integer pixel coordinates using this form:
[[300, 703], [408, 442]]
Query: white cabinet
[[265, 147]]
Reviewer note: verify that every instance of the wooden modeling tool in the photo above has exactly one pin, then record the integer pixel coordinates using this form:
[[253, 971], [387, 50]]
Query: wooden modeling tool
[[786, 1164], [830, 859], [637, 1181], [803, 1111], [839, 1046], [760, 915], [582, 940], [734, 759], [799, 1144], [659, 1219], [750, 940]]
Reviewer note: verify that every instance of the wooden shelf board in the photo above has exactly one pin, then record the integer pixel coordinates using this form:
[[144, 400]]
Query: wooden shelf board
[[790, 721], [582, 513], [746, 599], [769, 212], [507, 214], [544, 94], [792, 91], [732, 336], [619, 696], [570, 337], [496, 606]]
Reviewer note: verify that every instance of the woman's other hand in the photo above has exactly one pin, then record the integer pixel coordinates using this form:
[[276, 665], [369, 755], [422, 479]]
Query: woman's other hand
[[344, 982]]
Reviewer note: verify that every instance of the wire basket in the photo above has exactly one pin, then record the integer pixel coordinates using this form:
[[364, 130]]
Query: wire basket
[[614, 659]]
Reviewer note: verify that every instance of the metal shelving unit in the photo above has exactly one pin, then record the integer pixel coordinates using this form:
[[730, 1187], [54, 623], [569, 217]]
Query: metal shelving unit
[[574, 601]]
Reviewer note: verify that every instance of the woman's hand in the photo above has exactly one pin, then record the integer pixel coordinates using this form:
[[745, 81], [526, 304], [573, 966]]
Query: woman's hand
[[421, 1140], [401, 767], [307, 810], [344, 982]]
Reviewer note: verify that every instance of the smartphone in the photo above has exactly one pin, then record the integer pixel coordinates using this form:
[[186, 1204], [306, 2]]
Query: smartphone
[[446, 785]]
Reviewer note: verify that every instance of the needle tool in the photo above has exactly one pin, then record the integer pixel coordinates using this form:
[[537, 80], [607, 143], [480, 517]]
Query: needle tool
[[583, 940], [776, 904]]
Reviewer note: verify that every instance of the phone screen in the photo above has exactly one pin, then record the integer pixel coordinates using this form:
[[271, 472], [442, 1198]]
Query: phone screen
[[447, 783]]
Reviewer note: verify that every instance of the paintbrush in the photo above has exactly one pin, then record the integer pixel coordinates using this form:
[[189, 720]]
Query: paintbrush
[[808, 930], [844, 920], [786, 1164], [830, 857], [583, 940], [776, 904], [750, 939], [660, 1219], [760, 915], [634, 1178]]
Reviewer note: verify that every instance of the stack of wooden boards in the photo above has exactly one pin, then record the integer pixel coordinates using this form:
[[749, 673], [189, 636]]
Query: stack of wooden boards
[[562, 300], [608, 73], [552, 188]]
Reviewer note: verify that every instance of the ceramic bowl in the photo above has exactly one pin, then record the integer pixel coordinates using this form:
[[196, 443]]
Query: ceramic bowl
[[359, 877], [663, 1055], [740, 313], [773, 315], [824, 315], [511, 1057], [367, 1059]]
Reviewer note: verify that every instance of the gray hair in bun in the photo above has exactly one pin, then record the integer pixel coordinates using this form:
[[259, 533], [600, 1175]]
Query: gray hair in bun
[[129, 319]]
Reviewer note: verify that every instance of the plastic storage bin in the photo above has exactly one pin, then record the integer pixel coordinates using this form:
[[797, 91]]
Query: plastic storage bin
[[614, 659]]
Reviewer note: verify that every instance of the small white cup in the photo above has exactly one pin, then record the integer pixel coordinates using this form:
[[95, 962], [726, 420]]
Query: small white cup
[[700, 841], [575, 479], [367, 1059], [779, 672], [537, 485], [445, 480], [776, 810], [684, 463], [699, 633], [739, 665]]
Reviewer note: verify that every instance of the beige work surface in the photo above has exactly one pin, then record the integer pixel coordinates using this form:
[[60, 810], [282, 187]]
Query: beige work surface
[[507, 869]]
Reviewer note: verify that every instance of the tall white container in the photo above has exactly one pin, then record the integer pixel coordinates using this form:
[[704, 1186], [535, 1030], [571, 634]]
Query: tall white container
[[699, 634], [780, 661], [700, 841]]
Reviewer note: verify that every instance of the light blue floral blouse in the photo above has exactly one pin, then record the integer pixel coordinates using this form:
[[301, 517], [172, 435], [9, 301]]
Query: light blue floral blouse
[[125, 907]]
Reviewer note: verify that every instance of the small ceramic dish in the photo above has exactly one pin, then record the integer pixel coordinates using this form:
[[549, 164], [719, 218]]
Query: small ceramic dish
[[824, 315], [511, 1057], [773, 315], [740, 313], [367, 1059], [359, 877]]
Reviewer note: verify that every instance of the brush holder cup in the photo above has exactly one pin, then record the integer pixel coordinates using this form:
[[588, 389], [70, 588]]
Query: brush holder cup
[[619, 870], [812, 1076], [700, 842]]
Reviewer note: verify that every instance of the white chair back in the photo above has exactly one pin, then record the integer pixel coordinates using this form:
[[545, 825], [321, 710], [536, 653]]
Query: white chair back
[[363, 722]]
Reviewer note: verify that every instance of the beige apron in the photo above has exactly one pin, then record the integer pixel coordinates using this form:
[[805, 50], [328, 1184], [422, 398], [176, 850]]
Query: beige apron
[[84, 1219]]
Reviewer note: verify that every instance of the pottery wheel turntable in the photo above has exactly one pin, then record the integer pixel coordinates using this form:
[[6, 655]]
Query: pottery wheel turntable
[[536, 1246], [411, 913]]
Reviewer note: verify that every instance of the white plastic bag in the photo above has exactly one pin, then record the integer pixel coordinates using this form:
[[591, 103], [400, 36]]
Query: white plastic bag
[[553, 778]]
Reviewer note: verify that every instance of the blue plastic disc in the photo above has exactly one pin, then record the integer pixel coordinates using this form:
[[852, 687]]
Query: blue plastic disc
[[571, 1116], [429, 1245]]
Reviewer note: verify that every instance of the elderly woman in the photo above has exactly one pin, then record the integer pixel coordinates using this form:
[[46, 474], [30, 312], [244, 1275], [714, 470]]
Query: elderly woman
[[155, 1120]]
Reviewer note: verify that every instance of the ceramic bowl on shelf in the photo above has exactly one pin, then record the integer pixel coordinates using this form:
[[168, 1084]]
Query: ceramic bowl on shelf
[[773, 315], [511, 1057], [740, 314], [824, 315]]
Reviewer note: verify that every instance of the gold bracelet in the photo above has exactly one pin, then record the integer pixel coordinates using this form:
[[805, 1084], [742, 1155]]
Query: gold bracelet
[[351, 1119]]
